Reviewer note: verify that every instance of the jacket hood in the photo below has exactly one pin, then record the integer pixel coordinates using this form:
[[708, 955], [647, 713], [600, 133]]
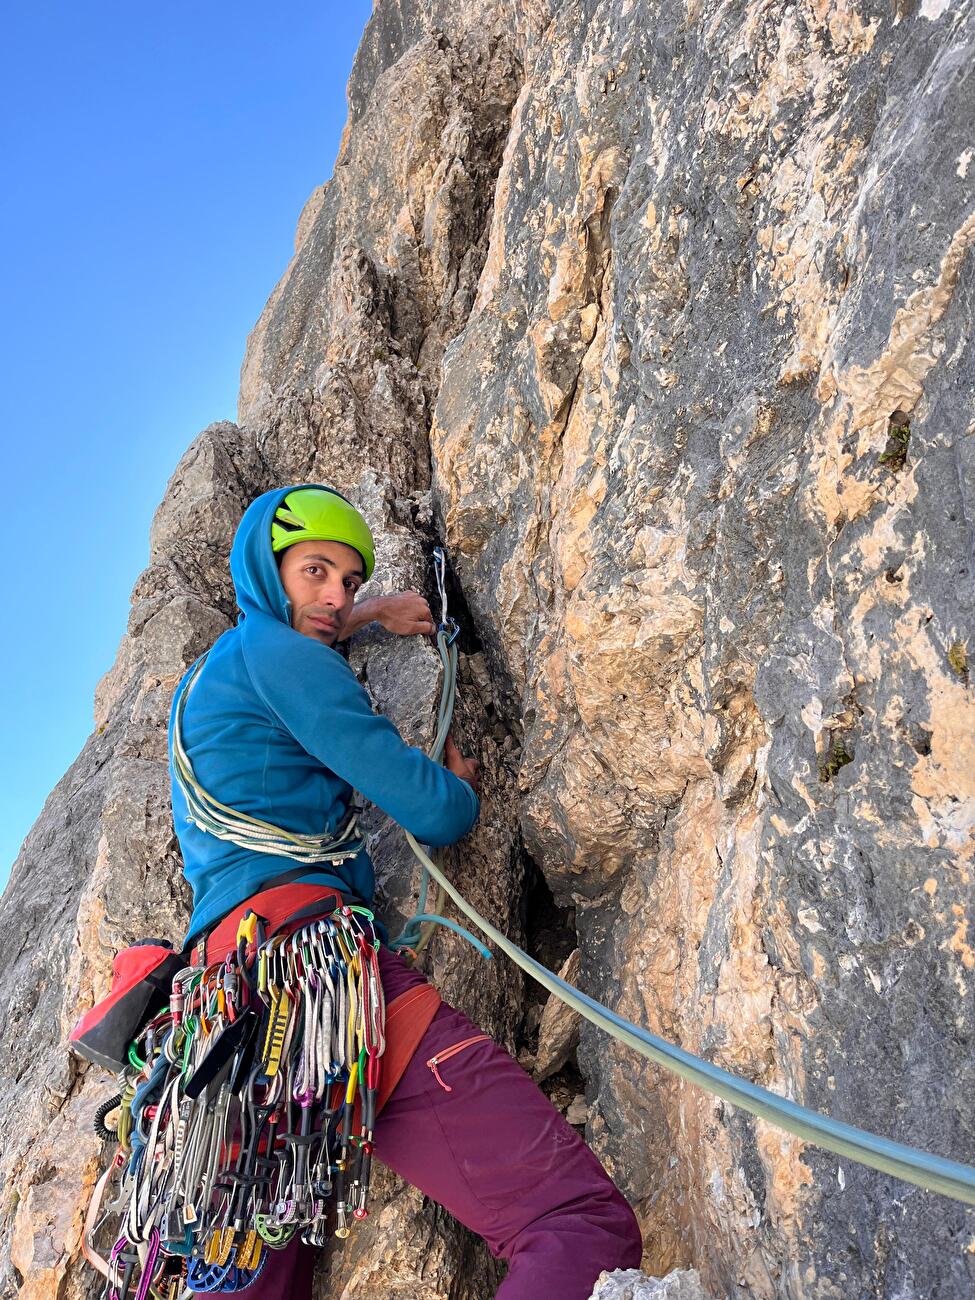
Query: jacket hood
[[253, 566]]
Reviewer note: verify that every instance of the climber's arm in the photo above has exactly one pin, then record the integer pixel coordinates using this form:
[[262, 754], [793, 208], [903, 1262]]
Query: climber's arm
[[404, 612], [316, 697]]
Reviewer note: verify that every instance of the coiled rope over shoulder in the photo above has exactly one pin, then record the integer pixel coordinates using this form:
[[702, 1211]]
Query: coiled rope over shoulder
[[227, 823], [936, 1174]]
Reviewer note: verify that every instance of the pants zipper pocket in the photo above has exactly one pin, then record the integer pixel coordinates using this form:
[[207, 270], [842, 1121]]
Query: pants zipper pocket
[[448, 1052]]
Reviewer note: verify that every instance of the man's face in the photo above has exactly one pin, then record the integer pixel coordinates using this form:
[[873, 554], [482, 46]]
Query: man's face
[[321, 580]]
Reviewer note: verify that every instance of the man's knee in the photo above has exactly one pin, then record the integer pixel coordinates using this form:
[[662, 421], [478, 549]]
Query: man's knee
[[613, 1222], [597, 1225]]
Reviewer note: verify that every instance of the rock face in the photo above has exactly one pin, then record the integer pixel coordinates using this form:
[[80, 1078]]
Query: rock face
[[629, 1284], [660, 316]]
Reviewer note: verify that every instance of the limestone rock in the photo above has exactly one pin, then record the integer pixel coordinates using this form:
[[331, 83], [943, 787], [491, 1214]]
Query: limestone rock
[[578, 1111], [660, 315], [703, 457], [558, 1033], [631, 1284]]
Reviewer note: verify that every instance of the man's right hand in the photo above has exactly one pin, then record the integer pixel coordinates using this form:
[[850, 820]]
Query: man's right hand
[[468, 769]]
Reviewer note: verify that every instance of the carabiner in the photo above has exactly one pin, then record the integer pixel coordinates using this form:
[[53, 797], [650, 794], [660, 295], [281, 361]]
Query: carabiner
[[450, 630]]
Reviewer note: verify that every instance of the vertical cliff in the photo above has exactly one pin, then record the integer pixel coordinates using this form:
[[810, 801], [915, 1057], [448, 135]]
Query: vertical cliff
[[660, 316]]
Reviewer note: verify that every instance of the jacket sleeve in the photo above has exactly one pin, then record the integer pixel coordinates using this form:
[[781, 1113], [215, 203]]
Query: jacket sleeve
[[317, 698]]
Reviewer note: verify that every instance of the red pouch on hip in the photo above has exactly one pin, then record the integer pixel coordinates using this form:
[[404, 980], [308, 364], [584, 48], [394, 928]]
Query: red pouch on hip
[[142, 978]]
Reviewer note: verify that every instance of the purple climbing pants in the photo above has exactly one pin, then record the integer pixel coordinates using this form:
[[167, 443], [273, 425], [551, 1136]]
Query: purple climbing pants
[[485, 1143]]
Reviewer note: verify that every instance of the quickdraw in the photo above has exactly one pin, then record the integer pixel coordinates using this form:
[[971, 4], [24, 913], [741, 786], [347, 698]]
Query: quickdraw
[[237, 1121]]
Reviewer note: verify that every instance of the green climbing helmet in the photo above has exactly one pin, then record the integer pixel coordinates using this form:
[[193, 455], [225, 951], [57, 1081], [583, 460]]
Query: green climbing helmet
[[315, 514]]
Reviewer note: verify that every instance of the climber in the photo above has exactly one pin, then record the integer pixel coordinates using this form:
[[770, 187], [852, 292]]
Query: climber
[[277, 727]]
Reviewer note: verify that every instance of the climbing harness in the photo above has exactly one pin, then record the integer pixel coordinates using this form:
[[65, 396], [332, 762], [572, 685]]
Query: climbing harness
[[248, 1109]]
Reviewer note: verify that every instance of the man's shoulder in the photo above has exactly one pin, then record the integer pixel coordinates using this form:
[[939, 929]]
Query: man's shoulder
[[223, 651], [270, 645], [290, 672]]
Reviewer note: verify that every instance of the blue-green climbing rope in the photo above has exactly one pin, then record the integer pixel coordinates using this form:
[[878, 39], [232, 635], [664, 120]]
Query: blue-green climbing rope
[[935, 1173]]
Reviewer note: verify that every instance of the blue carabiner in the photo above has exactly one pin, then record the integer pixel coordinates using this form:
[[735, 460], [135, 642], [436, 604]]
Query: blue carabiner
[[451, 630]]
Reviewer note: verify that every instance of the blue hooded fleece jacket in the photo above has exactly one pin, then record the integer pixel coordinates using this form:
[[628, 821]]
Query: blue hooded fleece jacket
[[278, 726]]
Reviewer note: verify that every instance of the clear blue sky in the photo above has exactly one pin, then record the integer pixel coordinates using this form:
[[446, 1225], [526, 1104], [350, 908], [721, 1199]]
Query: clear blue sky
[[156, 159]]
